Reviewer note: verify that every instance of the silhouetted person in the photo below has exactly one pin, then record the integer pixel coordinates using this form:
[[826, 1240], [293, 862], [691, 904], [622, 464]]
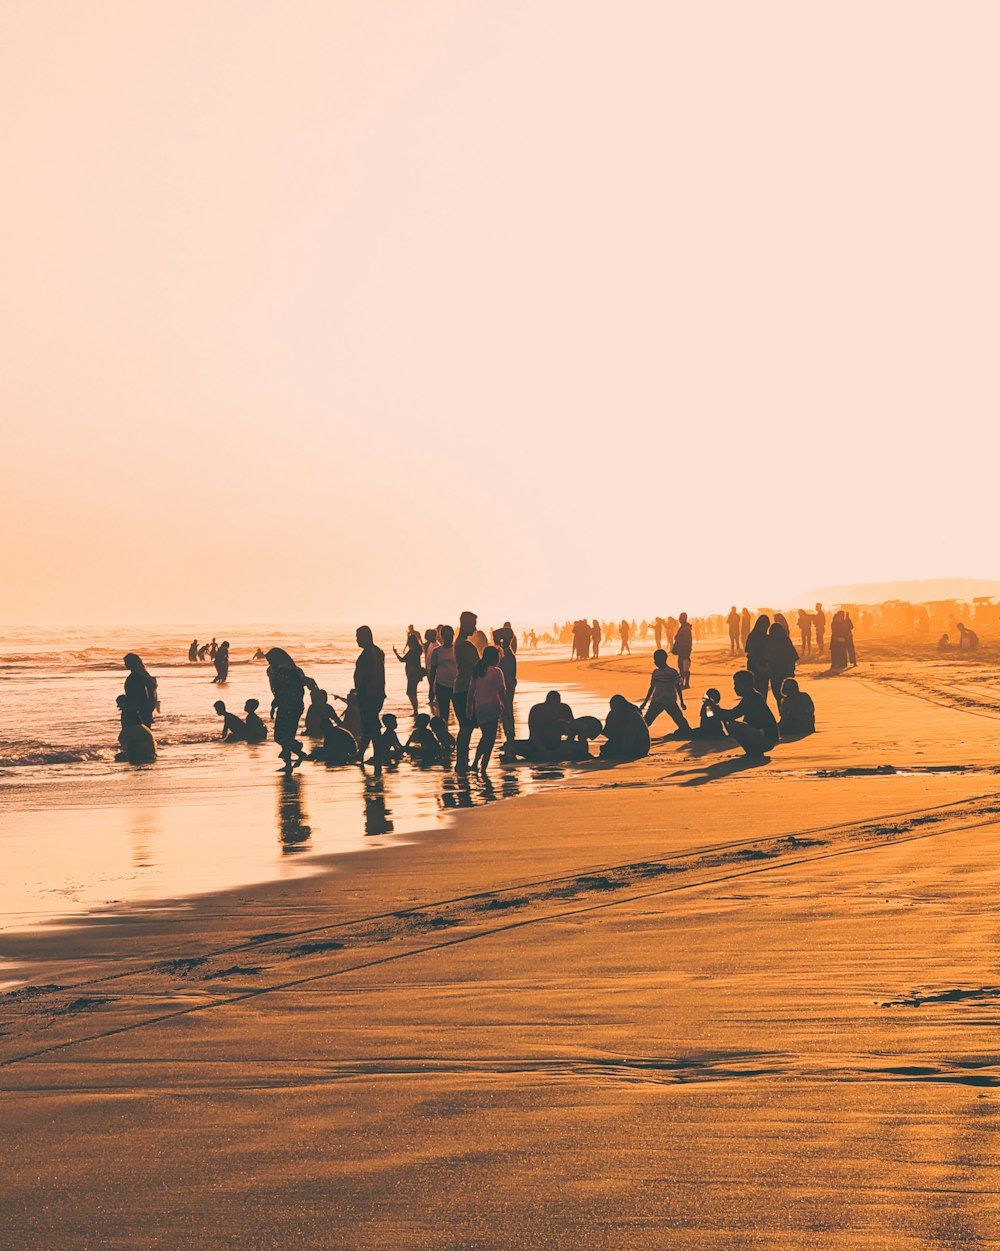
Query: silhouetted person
[[819, 626], [318, 712], [392, 748], [758, 653], [745, 625], [487, 701], [595, 638], [233, 729], [624, 631], [466, 658], [781, 658], [549, 723], [751, 723], [193, 651], [213, 649], [369, 682], [508, 667], [288, 687], [423, 744], [943, 643], [442, 734], [135, 738], [442, 672], [733, 625], [582, 732], [140, 689], [852, 658], [797, 711], [665, 694], [339, 746], [505, 638], [968, 640], [626, 733], [683, 644], [256, 730], [203, 652], [412, 660], [432, 641], [710, 726], [839, 635], [804, 622], [658, 633], [221, 662]]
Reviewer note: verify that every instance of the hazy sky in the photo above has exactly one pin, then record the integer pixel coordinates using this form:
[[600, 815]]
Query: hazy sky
[[316, 311]]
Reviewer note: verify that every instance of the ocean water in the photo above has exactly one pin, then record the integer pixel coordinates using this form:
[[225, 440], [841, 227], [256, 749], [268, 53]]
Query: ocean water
[[81, 834]]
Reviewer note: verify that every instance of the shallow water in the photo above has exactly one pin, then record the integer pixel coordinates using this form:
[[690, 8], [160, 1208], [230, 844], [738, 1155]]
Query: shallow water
[[81, 834]]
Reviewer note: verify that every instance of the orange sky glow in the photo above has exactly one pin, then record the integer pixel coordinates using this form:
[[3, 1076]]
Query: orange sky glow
[[316, 312]]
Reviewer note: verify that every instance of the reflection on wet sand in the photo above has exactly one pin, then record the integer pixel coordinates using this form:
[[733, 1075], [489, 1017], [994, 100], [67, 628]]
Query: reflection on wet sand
[[378, 818], [293, 827]]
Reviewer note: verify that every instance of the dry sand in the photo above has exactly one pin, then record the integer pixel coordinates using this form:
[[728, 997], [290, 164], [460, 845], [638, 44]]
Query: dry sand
[[678, 1003]]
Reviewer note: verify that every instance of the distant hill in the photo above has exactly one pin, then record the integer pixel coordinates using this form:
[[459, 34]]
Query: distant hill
[[921, 591]]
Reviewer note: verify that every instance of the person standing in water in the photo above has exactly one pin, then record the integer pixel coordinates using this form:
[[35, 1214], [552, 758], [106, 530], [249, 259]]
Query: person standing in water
[[487, 704], [288, 687], [441, 672], [466, 658], [193, 652], [412, 661], [140, 689], [222, 663], [369, 683]]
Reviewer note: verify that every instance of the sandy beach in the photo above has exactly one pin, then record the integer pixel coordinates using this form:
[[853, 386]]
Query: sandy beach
[[676, 1003]]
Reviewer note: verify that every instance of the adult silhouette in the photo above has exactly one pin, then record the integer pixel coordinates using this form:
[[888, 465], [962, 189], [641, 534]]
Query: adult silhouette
[[369, 683]]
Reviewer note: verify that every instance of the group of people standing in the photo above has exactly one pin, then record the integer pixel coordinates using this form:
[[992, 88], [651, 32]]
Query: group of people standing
[[811, 627]]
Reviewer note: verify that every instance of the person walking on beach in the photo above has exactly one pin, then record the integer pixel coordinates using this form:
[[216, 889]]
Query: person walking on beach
[[369, 683], [288, 687], [487, 701], [412, 661], [140, 690], [781, 659], [665, 694], [624, 630], [221, 663], [733, 624], [466, 658], [757, 653], [683, 644], [441, 672]]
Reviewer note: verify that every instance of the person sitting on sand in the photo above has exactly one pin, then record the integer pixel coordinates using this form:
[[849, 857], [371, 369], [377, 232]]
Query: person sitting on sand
[[665, 694], [136, 739], [339, 747], [233, 729], [423, 743], [442, 734], [710, 727], [751, 722], [625, 732], [582, 731], [797, 711], [392, 748], [968, 640], [256, 730], [319, 712], [943, 643], [548, 724]]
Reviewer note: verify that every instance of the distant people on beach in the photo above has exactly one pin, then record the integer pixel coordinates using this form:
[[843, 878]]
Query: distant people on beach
[[233, 729], [193, 652], [221, 663], [750, 722], [624, 633], [804, 622], [968, 640], [745, 627], [682, 646], [140, 689], [796, 712], [733, 625], [665, 694], [819, 627], [841, 642]]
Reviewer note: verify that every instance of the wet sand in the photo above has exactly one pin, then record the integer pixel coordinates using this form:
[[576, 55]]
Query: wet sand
[[678, 1003]]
